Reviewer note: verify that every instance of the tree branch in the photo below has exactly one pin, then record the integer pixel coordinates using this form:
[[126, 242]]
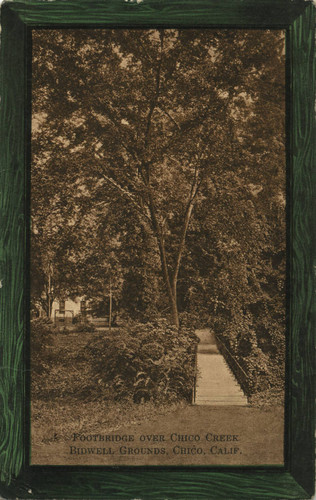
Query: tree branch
[[128, 195], [187, 216], [109, 115], [158, 232], [156, 94], [169, 116], [191, 124]]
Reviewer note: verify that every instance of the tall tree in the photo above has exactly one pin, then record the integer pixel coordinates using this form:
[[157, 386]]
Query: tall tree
[[147, 118]]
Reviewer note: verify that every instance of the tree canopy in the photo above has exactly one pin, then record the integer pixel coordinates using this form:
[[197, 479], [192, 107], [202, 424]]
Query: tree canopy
[[158, 161]]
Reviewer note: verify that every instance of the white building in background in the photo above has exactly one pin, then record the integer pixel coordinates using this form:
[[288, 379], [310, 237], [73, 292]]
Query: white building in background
[[63, 311]]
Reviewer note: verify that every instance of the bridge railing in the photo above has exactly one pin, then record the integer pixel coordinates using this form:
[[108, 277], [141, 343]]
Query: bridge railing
[[195, 376], [238, 371]]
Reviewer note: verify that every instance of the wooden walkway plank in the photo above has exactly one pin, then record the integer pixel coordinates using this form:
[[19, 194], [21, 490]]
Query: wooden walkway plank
[[216, 385]]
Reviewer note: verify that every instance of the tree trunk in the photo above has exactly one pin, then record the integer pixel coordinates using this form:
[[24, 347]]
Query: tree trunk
[[174, 308], [171, 279], [170, 288], [110, 306]]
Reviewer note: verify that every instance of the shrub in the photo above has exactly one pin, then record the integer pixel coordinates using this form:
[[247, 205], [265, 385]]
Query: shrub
[[151, 361], [83, 325], [196, 320], [42, 338], [85, 328], [255, 351], [78, 319]]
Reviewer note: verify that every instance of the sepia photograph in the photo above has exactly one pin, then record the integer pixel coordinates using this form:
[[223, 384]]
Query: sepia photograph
[[158, 246]]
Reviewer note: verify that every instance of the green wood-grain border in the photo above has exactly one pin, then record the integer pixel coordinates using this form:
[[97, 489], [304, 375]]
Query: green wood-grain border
[[18, 479]]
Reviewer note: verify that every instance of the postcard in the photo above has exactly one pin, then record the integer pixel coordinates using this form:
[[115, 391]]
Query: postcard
[[157, 249]]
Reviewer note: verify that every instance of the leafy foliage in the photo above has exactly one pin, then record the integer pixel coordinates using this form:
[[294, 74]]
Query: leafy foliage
[[42, 340], [167, 122], [82, 324], [151, 361]]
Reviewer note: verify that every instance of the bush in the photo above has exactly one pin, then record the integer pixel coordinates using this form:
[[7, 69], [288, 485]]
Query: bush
[[151, 361], [254, 349], [196, 320], [42, 338], [85, 328], [78, 319], [83, 325]]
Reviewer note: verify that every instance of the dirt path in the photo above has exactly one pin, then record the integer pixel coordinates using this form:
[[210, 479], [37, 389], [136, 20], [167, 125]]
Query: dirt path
[[200, 435]]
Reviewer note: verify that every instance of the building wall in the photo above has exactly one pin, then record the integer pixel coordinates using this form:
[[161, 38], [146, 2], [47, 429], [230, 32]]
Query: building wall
[[72, 308]]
